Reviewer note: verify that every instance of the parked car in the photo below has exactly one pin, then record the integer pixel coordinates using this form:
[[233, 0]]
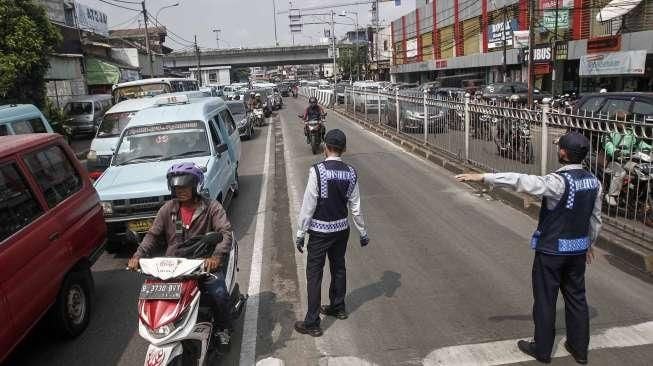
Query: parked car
[[340, 92], [411, 117], [177, 129], [244, 124], [505, 92], [627, 105], [18, 119], [284, 89], [86, 112], [52, 232]]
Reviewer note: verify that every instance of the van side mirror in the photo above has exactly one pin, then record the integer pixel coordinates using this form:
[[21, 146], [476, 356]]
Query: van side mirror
[[222, 148]]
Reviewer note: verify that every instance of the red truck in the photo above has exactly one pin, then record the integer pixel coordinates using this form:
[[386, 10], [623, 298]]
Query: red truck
[[52, 230]]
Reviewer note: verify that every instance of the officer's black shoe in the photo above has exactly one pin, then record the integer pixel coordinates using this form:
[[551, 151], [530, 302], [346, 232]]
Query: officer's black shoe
[[337, 313], [574, 354], [314, 330], [529, 349]]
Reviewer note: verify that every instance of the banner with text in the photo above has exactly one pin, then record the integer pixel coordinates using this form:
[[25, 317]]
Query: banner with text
[[498, 31], [615, 63]]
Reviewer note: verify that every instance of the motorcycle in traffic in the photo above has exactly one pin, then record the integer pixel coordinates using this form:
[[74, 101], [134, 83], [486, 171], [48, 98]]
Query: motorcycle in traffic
[[257, 116], [174, 316], [314, 130]]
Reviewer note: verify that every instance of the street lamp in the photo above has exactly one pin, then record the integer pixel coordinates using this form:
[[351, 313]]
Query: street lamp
[[217, 37], [157, 22], [165, 7], [356, 43]]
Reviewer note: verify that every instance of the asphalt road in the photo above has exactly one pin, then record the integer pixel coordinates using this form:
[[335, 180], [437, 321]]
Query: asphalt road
[[446, 270]]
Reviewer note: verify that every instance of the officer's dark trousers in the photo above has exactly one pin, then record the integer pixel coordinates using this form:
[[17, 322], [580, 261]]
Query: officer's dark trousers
[[567, 274], [320, 246]]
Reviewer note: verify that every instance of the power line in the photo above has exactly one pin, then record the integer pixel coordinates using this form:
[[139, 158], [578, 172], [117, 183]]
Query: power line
[[118, 6]]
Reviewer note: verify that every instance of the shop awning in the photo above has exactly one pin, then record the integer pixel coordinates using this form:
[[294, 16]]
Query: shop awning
[[100, 72], [616, 8]]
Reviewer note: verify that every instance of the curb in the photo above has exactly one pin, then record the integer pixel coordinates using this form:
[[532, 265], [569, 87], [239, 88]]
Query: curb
[[618, 243]]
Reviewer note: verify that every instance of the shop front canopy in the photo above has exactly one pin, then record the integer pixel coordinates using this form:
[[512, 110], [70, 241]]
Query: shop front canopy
[[616, 8]]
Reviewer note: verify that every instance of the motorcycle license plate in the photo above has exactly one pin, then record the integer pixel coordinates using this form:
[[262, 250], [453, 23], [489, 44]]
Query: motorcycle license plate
[[140, 226], [160, 291]]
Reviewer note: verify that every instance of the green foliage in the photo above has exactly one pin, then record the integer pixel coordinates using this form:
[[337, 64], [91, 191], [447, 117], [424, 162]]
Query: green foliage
[[347, 60], [240, 74], [26, 39]]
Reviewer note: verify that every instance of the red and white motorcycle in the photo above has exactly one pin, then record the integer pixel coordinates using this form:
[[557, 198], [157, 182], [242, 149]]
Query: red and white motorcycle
[[174, 317]]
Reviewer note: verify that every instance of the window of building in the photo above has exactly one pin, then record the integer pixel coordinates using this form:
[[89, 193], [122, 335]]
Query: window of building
[[18, 205], [385, 45], [54, 173], [213, 77]]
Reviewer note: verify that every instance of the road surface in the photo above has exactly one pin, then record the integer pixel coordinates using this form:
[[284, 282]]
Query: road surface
[[445, 280]]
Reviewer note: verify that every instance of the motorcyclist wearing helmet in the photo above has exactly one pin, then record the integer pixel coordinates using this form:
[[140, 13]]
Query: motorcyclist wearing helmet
[[189, 215], [258, 103], [313, 112], [250, 101]]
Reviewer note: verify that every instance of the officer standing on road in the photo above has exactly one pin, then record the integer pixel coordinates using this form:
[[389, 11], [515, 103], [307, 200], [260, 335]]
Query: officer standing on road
[[570, 221], [332, 188]]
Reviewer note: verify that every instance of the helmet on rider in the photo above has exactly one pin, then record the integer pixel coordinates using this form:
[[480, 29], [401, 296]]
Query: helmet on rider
[[258, 95], [251, 94], [185, 175], [312, 101]]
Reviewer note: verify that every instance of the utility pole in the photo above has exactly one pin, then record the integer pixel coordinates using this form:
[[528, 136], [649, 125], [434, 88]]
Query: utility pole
[[333, 42], [197, 53], [376, 38], [505, 68], [147, 40], [553, 52], [217, 37], [531, 42], [274, 12]]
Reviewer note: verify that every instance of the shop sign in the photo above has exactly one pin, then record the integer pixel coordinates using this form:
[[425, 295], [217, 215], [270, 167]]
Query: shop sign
[[615, 63], [92, 20], [562, 50], [604, 44], [541, 54], [497, 32], [440, 64], [549, 19], [552, 4], [521, 38]]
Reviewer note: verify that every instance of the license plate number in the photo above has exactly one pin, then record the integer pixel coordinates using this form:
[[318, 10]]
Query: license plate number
[[140, 226], [160, 291]]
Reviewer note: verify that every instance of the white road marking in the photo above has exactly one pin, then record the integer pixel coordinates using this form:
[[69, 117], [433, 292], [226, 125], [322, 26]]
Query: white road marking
[[250, 326], [506, 352]]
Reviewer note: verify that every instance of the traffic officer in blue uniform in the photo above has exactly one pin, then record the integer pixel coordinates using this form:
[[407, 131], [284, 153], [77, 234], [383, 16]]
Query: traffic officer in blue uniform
[[331, 191], [569, 223]]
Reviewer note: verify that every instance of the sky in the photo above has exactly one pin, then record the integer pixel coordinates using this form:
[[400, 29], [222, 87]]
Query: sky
[[246, 23]]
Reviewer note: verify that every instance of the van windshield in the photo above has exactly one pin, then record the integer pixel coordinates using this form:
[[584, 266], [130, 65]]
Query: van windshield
[[113, 123], [79, 108], [166, 141], [140, 91]]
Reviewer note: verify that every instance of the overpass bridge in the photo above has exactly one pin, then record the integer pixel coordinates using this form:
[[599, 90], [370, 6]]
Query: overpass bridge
[[244, 57]]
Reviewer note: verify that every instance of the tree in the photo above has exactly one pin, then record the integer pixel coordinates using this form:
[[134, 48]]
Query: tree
[[347, 61], [27, 38], [240, 74]]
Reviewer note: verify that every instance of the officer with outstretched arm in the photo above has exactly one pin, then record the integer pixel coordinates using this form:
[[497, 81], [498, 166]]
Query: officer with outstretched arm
[[569, 223], [331, 191]]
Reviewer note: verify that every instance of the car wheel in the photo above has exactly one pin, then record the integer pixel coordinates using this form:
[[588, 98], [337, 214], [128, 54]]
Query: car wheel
[[72, 311]]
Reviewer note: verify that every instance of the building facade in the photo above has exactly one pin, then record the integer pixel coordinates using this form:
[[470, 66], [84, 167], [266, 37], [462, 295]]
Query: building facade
[[579, 45]]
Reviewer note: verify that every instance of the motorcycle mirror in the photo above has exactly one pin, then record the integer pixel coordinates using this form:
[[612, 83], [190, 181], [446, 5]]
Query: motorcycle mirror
[[300, 116]]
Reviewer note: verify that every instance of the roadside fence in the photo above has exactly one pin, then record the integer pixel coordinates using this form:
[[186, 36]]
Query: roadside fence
[[508, 136]]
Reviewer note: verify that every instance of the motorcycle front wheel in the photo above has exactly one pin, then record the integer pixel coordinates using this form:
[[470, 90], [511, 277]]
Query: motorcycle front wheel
[[315, 144]]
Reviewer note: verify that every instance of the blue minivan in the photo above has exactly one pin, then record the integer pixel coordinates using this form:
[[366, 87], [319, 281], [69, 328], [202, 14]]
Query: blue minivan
[[177, 129]]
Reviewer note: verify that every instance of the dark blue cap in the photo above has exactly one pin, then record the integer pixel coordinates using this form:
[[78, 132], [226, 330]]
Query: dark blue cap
[[336, 138], [576, 145]]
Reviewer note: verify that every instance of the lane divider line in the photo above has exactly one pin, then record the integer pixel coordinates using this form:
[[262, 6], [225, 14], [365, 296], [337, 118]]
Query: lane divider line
[[250, 325]]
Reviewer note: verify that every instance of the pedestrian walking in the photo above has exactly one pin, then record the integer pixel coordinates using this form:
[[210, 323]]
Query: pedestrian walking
[[569, 223], [332, 191]]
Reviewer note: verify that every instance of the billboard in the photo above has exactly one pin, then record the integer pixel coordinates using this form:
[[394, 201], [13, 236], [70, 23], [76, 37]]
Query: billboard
[[91, 20], [615, 63], [496, 33]]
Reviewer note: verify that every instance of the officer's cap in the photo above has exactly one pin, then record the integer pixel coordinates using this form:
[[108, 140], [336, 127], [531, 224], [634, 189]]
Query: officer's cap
[[576, 145], [336, 138]]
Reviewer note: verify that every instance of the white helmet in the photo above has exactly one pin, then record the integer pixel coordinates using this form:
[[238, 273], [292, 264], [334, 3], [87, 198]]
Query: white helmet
[[604, 90], [257, 95]]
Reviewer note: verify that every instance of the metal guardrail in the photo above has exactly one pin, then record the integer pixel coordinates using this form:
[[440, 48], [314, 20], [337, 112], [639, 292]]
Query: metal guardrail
[[511, 137]]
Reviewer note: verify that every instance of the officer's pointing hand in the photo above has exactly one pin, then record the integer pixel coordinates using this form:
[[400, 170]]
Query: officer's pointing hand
[[299, 242], [589, 256], [469, 177], [365, 240]]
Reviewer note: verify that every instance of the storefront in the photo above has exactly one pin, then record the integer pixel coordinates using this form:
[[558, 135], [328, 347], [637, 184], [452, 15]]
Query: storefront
[[616, 71]]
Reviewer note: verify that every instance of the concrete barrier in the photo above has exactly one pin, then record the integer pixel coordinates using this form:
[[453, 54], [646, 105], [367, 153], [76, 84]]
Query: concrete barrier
[[325, 98]]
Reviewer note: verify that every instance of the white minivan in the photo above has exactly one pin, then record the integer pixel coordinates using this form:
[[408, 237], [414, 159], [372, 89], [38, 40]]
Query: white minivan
[[112, 125], [175, 130]]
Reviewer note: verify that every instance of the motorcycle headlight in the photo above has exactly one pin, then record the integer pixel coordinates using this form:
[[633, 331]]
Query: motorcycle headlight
[[107, 208], [162, 331]]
